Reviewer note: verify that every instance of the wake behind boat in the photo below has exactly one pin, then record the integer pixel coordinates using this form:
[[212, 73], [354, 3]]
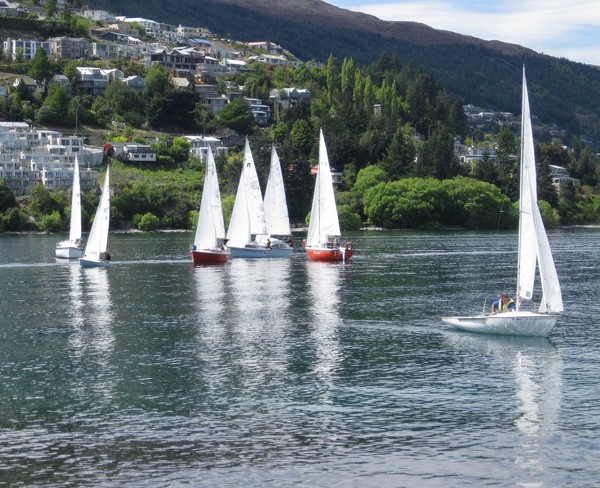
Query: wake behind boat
[[96, 253], [322, 241], [533, 251], [72, 248]]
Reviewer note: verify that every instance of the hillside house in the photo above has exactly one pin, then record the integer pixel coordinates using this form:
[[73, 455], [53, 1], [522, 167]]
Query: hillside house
[[287, 97], [69, 48], [200, 145], [31, 85], [27, 47], [136, 83], [94, 81], [560, 177]]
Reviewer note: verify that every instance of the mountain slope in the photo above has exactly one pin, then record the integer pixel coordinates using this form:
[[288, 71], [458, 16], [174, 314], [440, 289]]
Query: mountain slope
[[486, 73]]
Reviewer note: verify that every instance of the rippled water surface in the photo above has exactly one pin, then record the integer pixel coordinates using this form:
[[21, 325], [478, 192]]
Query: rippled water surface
[[289, 373]]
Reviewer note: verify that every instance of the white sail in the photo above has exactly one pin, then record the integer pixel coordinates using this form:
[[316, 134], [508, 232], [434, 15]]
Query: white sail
[[211, 226], [75, 224], [527, 201], [323, 216], [98, 238], [552, 295], [533, 241], [276, 211], [248, 215]]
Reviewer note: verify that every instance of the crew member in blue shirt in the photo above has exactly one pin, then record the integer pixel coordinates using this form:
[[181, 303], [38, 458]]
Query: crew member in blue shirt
[[503, 304]]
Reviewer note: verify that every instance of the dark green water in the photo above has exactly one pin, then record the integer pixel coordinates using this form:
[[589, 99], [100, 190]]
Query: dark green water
[[290, 373]]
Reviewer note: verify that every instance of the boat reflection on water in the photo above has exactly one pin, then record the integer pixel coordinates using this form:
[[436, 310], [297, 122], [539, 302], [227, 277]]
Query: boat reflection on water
[[324, 287], [98, 320], [536, 367], [76, 338]]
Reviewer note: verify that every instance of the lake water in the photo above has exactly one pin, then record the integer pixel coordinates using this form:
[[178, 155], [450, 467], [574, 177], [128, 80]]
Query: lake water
[[290, 373]]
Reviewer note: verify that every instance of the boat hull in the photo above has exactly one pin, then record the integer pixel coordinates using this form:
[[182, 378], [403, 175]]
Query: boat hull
[[209, 256], [508, 323], [329, 253], [261, 252], [68, 250], [91, 263]]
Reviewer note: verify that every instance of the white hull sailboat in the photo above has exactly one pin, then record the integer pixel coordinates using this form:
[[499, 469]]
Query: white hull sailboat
[[96, 254], [72, 248], [210, 232], [322, 241], [533, 252], [247, 235]]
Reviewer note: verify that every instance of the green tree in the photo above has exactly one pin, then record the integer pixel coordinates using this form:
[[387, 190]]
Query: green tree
[[42, 201], [54, 110], [398, 160], [50, 8], [302, 136], [50, 222], [7, 197], [236, 115], [157, 81], [369, 177], [41, 68], [19, 57], [148, 222]]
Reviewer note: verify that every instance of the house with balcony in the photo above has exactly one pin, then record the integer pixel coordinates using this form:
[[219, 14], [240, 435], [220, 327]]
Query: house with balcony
[[260, 111], [287, 97], [560, 178], [136, 83], [27, 47], [201, 143], [30, 84], [104, 50], [215, 104], [69, 48], [94, 81]]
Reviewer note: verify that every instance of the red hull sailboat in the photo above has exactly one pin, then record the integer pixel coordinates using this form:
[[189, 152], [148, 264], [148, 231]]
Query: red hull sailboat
[[322, 242]]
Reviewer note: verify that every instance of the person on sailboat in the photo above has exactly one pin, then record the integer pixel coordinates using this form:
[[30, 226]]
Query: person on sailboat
[[503, 304]]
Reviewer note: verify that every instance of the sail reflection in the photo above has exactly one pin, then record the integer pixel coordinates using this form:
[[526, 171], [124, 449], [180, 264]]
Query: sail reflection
[[324, 284], [536, 366], [76, 339], [98, 321], [241, 321]]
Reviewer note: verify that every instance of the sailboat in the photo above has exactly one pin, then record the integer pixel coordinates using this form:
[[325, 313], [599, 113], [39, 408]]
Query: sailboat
[[208, 242], [247, 235], [276, 211], [96, 254], [322, 241], [72, 248], [533, 251]]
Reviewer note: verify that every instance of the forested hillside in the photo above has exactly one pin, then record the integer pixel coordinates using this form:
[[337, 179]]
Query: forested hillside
[[482, 73], [390, 130]]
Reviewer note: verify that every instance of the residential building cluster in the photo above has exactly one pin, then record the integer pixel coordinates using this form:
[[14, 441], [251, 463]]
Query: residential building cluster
[[29, 157]]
